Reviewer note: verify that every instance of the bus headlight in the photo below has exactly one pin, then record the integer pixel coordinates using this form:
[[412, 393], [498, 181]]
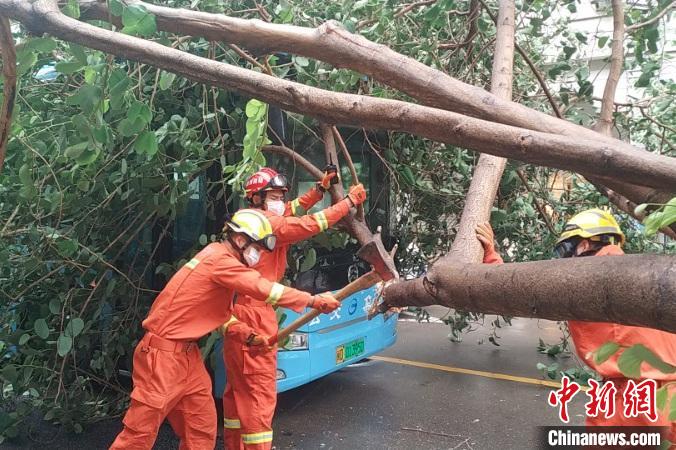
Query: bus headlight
[[297, 341], [280, 374]]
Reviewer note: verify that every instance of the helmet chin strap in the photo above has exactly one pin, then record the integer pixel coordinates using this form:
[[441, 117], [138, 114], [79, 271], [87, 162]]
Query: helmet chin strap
[[231, 239]]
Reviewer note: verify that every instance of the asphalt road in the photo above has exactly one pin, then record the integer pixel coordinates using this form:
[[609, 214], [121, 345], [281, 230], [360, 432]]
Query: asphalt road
[[425, 392]]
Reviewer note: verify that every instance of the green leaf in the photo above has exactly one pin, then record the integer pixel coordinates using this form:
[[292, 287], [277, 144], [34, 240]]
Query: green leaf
[[138, 21], [569, 51], [129, 127], [88, 156], [41, 328], [602, 41], [66, 247], [661, 397], [42, 45], [9, 373], [166, 80], [25, 60], [309, 260], [581, 37], [87, 97], [116, 7], [605, 351], [25, 175], [75, 327], [72, 9], [24, 338], [255, 108], [55, 306], [146, 143], [64, 344], [631, 359], [672, 412], [301, 61], [118, 82], [68, 67], [74, 151], [78, 53], [652, 35], [141, 111], [630, 362]]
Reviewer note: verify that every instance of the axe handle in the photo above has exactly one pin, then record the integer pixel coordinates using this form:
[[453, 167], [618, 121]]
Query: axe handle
[[365, 281]]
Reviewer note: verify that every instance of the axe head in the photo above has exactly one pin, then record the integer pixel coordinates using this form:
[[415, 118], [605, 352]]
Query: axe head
[[375, 254]]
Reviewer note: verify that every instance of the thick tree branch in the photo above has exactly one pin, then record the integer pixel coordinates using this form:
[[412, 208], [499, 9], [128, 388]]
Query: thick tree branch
[[538, 148], [605, 122], [333, 44], [9, 85], [488, 171], [562, 289]]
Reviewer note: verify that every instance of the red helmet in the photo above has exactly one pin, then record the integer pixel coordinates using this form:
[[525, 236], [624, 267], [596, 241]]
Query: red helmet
[[266, 179]]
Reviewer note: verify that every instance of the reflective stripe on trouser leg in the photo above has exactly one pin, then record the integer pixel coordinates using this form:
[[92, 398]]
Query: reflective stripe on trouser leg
[[233, 424], [257, 438]]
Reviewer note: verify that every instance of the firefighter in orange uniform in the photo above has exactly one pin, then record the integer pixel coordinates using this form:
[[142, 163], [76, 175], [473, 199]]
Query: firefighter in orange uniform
[[170, 379], [595, 232], [250, 395]]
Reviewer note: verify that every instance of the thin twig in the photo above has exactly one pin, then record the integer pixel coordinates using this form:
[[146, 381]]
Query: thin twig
[[655, 18], [461, 444], [350, 165], [435, 433], [541, 210]]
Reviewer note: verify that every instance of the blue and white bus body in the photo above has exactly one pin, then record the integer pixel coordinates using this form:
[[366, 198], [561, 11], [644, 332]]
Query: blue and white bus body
[[327, 344]]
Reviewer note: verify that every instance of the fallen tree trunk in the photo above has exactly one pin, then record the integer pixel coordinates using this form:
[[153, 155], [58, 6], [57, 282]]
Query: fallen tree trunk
[[443, 126], [635, 290]]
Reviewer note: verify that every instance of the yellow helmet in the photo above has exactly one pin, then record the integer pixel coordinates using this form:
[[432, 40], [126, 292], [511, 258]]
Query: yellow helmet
[[253, 224], [594, 224]]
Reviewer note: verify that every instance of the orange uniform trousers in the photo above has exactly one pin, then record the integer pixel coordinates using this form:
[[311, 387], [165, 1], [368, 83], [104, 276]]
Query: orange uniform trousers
[[170, 381], [250, 395]]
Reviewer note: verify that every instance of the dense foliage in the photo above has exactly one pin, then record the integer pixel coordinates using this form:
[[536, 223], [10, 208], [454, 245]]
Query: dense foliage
[[107, 156]]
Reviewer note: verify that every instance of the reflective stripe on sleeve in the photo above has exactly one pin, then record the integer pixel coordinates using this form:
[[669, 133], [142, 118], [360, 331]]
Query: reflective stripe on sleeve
[[192, 263], [257, 438], [275, 294], [232, 424], [323, 223], [294, 206]]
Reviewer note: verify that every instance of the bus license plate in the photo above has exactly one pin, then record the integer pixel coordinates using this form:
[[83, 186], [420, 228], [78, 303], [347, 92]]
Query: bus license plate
[[349, 351]]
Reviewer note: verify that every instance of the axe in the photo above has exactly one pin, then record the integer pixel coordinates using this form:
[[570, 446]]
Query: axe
[[382, 270]]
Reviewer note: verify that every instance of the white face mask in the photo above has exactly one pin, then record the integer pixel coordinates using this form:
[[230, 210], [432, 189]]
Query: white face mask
[[275, 207], [251, 256]]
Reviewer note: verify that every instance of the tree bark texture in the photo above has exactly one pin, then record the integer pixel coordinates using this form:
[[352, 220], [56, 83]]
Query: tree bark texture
[[489, 169], [605, 122], [9, 85], [539, 148], [635, 290]]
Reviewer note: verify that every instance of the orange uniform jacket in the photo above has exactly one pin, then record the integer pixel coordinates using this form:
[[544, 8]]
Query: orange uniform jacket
[[198, 298], [590, 336]]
